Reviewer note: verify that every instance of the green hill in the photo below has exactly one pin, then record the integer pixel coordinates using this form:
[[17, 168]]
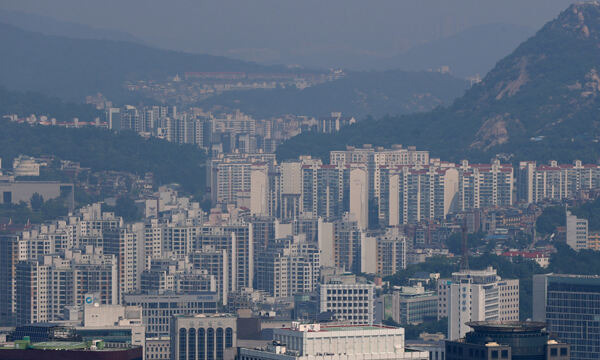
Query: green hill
[[101, 150], [358, 94], [27, 103], [73, 68], [548, 88]]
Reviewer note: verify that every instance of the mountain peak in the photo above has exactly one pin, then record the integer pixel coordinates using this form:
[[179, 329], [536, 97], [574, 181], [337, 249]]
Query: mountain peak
[[548, 89], [580, 19]]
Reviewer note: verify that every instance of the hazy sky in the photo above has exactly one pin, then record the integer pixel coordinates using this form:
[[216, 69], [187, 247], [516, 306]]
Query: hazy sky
[[284, 30]]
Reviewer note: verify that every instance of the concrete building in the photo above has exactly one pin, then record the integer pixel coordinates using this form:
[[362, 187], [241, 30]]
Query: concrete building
[[359, 194], [204, 337], [414, 305], [476, 295], [569, 305], [230, 175], [157, 310], [45, 287], [507, 340], [577, 232], [26, 166], [391, 252], [13, 192], [349, 299], [555, 181], [100, 318], [485, 185], [320, 342], [288, 267], [410, 194]]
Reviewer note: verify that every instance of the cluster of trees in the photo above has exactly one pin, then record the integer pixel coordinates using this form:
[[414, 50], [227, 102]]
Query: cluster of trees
[[555, 216], [102, 150], [27, 103], [38, 210]]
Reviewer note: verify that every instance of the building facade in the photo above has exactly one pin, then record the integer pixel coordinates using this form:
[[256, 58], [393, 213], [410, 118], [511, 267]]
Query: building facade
[[570, 304]]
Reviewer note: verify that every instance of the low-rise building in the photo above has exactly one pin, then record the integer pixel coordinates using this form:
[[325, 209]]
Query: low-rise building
[[204, 337], [319, 342], [414, 305]]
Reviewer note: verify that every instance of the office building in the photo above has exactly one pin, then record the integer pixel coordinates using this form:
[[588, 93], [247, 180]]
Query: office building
[[413, 305], [569, 305], [351, 300], [476, 295], [320, 342], [157, 310], [204, 337], [507, 340]]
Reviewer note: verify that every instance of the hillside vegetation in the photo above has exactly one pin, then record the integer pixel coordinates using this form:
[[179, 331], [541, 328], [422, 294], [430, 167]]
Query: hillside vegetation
[[548, 88]]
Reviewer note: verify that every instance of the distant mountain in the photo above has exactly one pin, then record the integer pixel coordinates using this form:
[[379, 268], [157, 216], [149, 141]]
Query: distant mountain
[[358, 94], [73, 68], [541, 102], [472, 51], [50, 26]]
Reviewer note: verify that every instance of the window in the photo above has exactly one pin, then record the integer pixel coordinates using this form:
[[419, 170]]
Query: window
[[554, 352], [7, 197], [182, 341], [229, 337], [219, 344], [192, 344], [504, 354], [201, 344], [494, 354], [563, 351], [210, 344]]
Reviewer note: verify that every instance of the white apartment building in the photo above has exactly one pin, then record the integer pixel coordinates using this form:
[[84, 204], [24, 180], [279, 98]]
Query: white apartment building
[[476, 295], [359, 194], [485, 185], [555, 181], [320, 342], [577, 232], [288, 267], [411, 194], [230, 176], [45, 287], [352, 302]]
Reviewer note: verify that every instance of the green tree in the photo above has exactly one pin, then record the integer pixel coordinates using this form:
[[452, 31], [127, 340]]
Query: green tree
[[36, 201]]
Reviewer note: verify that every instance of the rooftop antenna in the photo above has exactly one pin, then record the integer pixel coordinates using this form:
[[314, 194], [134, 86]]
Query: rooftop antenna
[[464, 264]]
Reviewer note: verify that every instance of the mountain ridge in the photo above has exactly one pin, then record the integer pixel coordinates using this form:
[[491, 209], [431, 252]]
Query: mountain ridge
[[73, 68], [547, 89]]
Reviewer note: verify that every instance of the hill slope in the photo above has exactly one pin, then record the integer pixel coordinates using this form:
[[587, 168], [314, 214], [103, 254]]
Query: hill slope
[[472, 51], [358, 94], [27, 103], [50, 26], [549, 88], [73, 68], [104, 150]]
